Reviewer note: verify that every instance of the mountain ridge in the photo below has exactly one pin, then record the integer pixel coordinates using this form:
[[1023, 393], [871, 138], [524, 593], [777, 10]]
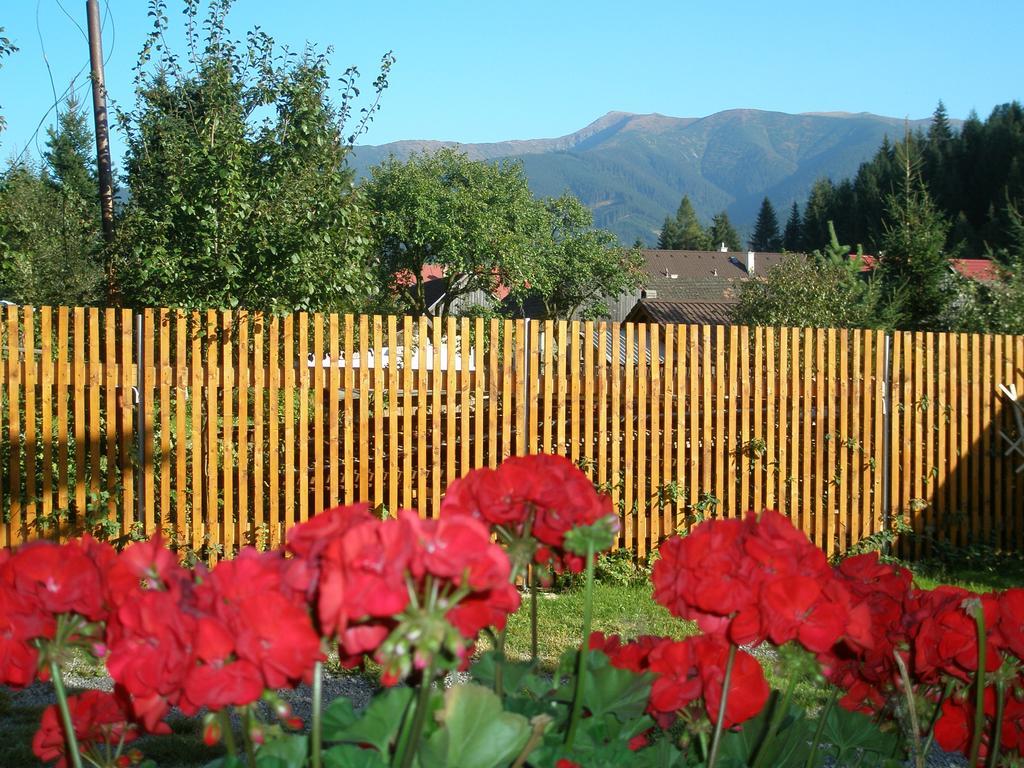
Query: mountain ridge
[[632, 169]]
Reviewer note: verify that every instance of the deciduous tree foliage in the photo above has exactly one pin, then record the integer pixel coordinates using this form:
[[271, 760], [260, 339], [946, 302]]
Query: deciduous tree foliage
[[238, 193], [479, 223]]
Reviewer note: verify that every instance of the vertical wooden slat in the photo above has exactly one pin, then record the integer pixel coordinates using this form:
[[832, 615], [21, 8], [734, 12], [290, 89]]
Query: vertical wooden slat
[[80, 376], [534, 389], [819, 508], [364, 408], [562, 357], [842, 437], [62, 394], [196, 333], [518, 370], [942, 419], [975, 419], [333, 415], [734, 403], [507, 383], [615, 446], [165, 378], [572, 349], [628, 434], [796, 449], [465, 407], [45, 378], [603, 406], [348, 462], [881, 381], [394, 385], [721, 472], [642, 472], [808, 501], [450, 398], [274, 394], [494, 392], [422, 401], [693, 369], [667, 522], [408, 486], [148, 470], [863, 399], [378, 402], [549, 385], [288, 364], [705, 405], [746, 412], [260, 370], [1018, 515], [127, 452], [589, 380], [436, 383], [992, 359], [228, 511], [653, 491], [319, 503], [213, 516], [110, 407], [243, 513], [780, 407], [831, 439], [30, 368], [953, 457], [770, 460], [16, 525], [758, 459], [479, 419], [1005, 477], [684, 372], [301, 470], [927, 414]]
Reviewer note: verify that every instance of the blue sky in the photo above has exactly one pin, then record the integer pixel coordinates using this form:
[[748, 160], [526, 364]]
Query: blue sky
[[487, 71]]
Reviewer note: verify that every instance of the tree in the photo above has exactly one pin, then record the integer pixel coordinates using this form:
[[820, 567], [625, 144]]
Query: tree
[[257, 213], [792, 235], [722, 231], [581, 268], [817, 214], [766, 230], [6, 49], [685, 231], [914, 261], [805, 291], [70, 155]]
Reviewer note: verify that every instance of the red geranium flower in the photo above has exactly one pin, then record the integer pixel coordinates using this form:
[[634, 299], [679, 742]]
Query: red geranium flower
[[99, 718]]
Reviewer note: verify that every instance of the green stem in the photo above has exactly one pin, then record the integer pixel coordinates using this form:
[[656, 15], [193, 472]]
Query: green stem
[[419, 717], [908, 691], [250, 752], [499, 663], [702, 739], [533, 614], [821, 727], [778, 713], [65, 713], [717, 739], [993, 755], [315, 726], [229, 735], [581, 670], [979, 688], [935, 718]]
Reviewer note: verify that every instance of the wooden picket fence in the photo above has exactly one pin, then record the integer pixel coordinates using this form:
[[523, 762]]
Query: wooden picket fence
[[226, 428]]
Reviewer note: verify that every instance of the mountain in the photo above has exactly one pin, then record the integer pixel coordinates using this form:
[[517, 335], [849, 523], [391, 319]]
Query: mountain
[[632, 170]]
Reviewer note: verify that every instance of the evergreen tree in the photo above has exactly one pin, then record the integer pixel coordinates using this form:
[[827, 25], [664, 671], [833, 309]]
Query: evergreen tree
[[914, 264], [669, 235], [766, 230], [792, 236], [685, 231], [722, 231], [817, 214], [69, 153]]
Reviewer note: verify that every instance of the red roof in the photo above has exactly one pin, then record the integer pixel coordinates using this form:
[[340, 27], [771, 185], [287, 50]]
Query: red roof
[[431, 272], [980, 270]]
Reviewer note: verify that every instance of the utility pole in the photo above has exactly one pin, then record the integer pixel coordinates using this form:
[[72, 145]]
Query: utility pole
[[99, 108]]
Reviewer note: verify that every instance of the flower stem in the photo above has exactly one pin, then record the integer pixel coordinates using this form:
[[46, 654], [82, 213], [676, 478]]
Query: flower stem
[[938, 710], [499, 663], [250, 753], [229, 734], [993, 758], [778, 713], [65, 713], [979, 687], [419, 717], [717, 738], [821, 727], [315, 726], [908, 692], [581, 671], [533, 615]]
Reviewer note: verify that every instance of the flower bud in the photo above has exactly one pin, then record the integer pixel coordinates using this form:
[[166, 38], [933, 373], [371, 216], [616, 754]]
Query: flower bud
[[211, 731], [256, 735], [294, 723]]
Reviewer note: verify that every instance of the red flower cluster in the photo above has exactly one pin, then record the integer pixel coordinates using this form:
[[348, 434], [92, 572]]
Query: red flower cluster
[[754, 580], [689, 671], [100, 719], [541, 497]]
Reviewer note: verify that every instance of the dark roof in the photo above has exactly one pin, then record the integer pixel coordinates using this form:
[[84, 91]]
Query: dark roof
[[708, 276], [682, 312]]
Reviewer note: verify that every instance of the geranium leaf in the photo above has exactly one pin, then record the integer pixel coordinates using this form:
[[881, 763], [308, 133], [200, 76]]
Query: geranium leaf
[[610, 690], [848, 731], [351, 756], [475, 732], [379, 724], [338, 716], [283, 752]]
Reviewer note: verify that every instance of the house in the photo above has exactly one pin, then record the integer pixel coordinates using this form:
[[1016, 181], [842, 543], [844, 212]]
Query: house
[[978, 270]]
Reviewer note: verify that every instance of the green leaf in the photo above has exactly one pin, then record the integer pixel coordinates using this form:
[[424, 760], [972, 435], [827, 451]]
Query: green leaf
[[338, 716], [600, 535], [379, 724], [475, 732], [848, 731], [615, 691], [283, 752], [351, 756]]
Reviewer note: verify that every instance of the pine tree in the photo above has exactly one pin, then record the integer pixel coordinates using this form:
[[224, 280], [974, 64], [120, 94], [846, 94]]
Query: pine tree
[[792, 236], [817, 214], [766, 230], [68, 154], [684, 232], [669, 235], [722, 231]]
